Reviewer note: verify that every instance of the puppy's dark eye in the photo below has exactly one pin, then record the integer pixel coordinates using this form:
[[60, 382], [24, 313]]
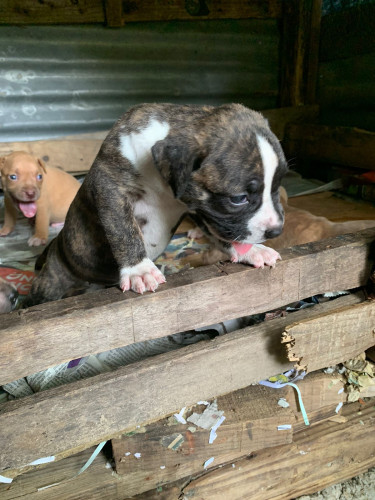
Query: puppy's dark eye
[[13, 177], [240, 199], [39, 177]]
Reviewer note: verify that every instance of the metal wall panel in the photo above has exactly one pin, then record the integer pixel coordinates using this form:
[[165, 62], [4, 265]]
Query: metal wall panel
[[62, 80]]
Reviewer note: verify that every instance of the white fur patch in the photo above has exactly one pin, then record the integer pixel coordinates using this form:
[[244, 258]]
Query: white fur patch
[[136, 146], [266, 217]]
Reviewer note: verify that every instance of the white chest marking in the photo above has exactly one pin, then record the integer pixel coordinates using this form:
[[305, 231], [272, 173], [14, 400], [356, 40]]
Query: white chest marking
[[158, 205]]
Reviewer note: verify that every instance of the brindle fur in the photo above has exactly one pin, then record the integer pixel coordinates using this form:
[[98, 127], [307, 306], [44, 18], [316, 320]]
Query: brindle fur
[[206, 157]]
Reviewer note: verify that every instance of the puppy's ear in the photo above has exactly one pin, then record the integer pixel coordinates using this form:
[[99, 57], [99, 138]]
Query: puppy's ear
[[42, 164], [176, 158], [2, 163]]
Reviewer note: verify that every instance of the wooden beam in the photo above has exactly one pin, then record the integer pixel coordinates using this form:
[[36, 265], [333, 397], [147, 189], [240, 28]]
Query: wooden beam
[[115, 12], [322, 455], [354, 325], [149, 10], [52, 12], [74, 156], [70, 418], [252, 416], [42, 336], [338, 145], [299, 51]]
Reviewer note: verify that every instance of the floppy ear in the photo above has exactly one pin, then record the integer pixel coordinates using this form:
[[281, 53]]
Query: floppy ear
[[42, 164], [176, 158]]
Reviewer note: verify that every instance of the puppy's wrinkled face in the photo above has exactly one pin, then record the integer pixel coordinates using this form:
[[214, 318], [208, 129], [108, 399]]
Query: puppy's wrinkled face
[[22, 177], [235, 191]]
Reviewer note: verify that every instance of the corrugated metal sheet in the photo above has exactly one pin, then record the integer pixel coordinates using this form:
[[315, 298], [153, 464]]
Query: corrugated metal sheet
[[61, 80]]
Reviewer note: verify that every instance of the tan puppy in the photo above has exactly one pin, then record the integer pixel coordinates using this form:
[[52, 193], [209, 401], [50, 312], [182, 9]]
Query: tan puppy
[[37, 191]]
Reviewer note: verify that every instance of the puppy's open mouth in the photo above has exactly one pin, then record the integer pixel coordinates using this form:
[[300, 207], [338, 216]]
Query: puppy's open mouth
[[28, 208]]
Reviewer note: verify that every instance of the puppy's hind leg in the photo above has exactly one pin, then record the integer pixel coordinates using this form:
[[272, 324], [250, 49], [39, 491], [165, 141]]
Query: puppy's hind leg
[[52, 282]]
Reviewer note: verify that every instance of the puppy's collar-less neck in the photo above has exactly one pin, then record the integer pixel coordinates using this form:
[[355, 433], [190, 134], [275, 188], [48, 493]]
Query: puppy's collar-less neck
[[241, 248]]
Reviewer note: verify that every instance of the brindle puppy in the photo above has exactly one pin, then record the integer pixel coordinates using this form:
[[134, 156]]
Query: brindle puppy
[[223, 165]]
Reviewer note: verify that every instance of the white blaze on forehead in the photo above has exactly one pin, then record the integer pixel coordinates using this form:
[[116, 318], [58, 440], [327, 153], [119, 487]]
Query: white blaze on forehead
[[136, 146], [266, 217], [270, 162]]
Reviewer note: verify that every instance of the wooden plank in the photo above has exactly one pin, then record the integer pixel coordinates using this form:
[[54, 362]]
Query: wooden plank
[[329, 339], [149, 10], [338, 452], [71, 155], [113, 13], [252, 420], [80, 11], [299, 51], [70, 418], [340, 145], [322, 455], [61, 12], [45, 335]]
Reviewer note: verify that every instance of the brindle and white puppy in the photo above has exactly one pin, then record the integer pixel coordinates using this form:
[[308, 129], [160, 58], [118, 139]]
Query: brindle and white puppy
[[223, 165]]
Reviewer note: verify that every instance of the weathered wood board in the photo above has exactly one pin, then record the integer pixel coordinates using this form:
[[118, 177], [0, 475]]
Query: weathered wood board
[[70, 418], [45, 335], [115, 12], [325, 454], [252, 420], [331, 338], [250, 413], [339, 145]]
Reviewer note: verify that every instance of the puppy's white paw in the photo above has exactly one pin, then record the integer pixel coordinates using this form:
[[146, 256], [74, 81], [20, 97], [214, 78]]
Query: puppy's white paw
[[35, 241], [143, 277], [195, 233], [257, 255]]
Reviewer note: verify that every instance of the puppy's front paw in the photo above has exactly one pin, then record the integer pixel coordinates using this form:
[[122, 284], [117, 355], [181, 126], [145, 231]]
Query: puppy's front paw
[[36, 241], [143, 277], [256, 255]]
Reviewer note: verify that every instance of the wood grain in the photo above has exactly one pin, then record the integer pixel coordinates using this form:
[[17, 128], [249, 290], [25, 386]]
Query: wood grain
[[42, 336], [331, 338], [70, 418], [299, 51], [325, 454], [116, 12]]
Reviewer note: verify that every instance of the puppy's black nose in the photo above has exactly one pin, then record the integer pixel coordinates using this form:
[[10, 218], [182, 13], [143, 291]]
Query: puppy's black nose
[[272, 233]]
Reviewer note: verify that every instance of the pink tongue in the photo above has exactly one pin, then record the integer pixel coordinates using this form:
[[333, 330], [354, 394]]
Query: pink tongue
[[241, 248], [28, 209]]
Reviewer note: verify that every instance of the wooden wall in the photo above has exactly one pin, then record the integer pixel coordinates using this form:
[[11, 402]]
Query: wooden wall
[[346, 77]]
